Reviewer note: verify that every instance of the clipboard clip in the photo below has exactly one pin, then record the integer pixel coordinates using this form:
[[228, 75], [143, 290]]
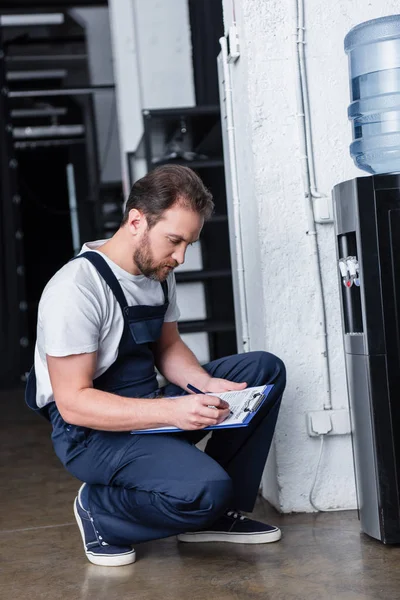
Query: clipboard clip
[[260, 396]]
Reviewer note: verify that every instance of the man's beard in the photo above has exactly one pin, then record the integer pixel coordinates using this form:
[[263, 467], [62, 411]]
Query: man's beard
[[143, 258]]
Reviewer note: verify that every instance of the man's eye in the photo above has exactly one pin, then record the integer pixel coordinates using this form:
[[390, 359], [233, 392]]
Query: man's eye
[[175, 242]]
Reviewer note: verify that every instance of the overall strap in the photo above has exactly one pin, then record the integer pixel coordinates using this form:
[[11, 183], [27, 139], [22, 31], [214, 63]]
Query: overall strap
[[164, 286], [106, 272]]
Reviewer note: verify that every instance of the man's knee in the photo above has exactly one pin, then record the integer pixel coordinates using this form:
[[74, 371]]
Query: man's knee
[[272, 366], [263, 368]]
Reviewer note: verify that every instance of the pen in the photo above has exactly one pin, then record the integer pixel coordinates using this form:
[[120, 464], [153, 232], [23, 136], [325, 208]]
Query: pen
[[197, 391], [193, 389]]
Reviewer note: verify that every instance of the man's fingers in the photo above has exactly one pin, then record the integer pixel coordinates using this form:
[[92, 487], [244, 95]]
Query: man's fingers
[[205, 421], [219, 403], [214, 401], [223, 415], [210, 413], [238, 386]]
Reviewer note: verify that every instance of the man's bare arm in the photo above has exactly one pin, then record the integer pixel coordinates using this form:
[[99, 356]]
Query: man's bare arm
[[176, 361], [80, 404]]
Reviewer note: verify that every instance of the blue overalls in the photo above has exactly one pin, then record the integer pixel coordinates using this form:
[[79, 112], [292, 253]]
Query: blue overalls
[[144, 487]]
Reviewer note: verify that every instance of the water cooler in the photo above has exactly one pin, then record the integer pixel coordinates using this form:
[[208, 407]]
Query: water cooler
[[367, 218], [367, 222]]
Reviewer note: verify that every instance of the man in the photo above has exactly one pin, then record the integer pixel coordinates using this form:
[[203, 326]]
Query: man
[[105, 320]]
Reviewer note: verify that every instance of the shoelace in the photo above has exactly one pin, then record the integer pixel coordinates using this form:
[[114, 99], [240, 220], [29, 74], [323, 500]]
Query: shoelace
[[235, 514]]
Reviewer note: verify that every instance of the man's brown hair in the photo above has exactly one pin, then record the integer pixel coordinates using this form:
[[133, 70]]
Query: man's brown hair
[[161, 188]]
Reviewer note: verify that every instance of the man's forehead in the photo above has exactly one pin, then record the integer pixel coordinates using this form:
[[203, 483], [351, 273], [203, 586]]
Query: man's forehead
[[181, 212], [183, 224]]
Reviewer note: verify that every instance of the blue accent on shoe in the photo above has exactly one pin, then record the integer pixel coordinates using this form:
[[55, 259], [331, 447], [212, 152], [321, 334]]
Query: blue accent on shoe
[[97, 550]]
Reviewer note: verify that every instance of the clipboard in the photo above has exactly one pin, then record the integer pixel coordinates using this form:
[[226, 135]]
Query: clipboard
[[249, 409]]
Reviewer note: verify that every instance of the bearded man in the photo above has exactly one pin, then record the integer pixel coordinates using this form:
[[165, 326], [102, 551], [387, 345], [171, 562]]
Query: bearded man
[[106, 321]]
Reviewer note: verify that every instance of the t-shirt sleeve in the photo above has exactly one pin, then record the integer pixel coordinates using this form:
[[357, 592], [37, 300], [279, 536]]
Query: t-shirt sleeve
[[173, 312], [70, 317]]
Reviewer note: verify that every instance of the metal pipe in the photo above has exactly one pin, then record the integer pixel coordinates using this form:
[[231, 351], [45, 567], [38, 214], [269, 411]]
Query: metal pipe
[[306, 99], [235, 197], [33, 144], [303, 115], [60, 92], [35, 74], [47, 131], [21, 113], [73, 208], [31, 19], [45, 58]]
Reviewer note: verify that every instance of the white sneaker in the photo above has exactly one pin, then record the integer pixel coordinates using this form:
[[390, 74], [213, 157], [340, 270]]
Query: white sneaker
[[96, 549]]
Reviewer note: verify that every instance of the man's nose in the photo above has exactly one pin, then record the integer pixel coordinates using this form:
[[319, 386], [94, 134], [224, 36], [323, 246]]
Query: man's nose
[[179, 256]]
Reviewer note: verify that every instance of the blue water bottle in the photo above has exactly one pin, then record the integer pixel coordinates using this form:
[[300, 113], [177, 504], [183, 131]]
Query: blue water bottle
[[373, 49]]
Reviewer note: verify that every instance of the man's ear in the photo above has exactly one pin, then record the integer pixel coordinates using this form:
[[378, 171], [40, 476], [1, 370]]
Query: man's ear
[[137, 221]]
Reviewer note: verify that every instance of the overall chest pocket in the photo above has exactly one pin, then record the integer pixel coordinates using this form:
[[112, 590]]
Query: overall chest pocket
[[145, 322], [146, 330]]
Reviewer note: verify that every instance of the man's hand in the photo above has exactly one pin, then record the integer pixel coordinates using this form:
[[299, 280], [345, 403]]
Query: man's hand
[[193, 412], [222, 385]]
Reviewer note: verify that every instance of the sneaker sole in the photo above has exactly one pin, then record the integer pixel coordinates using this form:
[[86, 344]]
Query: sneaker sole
[[104, 560], [234, 538]]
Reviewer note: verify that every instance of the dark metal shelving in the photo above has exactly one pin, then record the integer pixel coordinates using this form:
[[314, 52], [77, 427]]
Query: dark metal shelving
[[198, 129], [206, 325], [79, 90], [194, 164], [187, 111], [201, 275]]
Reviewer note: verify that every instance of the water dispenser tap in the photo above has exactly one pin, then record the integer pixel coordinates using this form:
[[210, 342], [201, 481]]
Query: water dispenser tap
[[354, 269], [344, 271]]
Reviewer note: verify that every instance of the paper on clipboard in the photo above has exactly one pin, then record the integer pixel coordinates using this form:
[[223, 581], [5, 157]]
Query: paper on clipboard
[[241, 403]]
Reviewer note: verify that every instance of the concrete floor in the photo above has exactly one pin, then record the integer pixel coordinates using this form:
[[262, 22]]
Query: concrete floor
[[320, 557]]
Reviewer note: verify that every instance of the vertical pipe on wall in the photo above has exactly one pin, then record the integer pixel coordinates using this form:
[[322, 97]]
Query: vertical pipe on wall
[[127, 80], [235, 198], [308, 177]]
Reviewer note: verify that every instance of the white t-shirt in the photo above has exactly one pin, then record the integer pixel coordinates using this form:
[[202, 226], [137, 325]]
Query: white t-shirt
[[79, 313]]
